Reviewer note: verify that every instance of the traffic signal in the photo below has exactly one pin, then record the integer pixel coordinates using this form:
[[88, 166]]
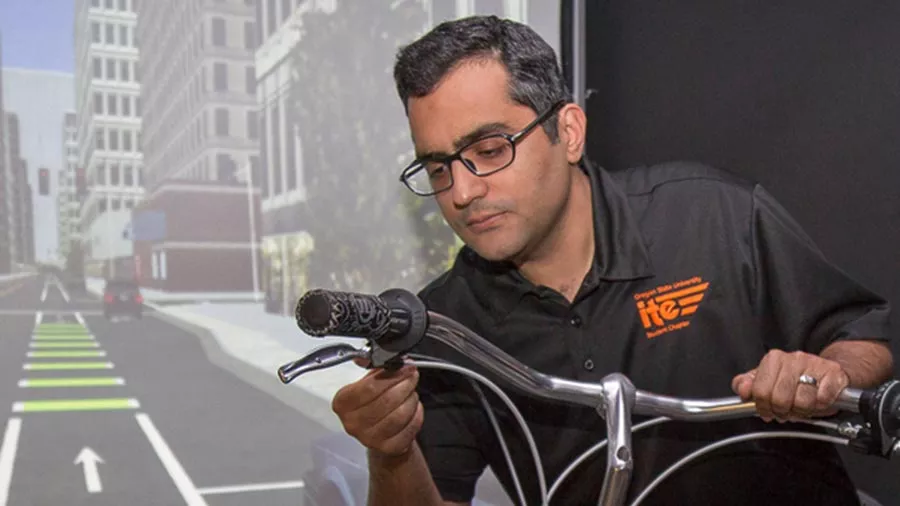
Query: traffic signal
[[44, 182]]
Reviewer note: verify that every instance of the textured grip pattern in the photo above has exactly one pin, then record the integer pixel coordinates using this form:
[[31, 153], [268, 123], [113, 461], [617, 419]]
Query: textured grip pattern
[[327, 313]]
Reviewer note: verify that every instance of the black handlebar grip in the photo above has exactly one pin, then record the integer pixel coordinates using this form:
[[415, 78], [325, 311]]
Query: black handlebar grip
[[327, 313]]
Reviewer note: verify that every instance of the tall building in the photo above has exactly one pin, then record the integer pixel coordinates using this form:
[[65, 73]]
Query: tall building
[[108, 113], [19, 198], [66, 199], [38, 99], [309, 234], [199, 126], [5, 195], [199, 89]]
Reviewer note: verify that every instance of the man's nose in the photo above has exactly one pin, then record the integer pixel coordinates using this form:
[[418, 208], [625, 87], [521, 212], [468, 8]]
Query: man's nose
[[466, 185]]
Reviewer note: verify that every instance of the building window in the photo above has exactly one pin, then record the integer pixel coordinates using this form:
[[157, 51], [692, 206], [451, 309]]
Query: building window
[[218, 32], [98, 103], [100, 137], [126, 141], [95, 3], [126, 105], [101, 206], [290, 148], [271, 17], [128, 175], [129, 204], [259, 178], [111, 69], [110, 33], [250, 77], [98, 68], [285, 9], [137, 106], [220, 76], [101, 174], [96, 32], [112, 104], [115, 203], [113, 140], [225, 168], [222, 122], [140, 175], [250, 35], [252, 125], [110, 4], [125, 70], [275, 159], [123, 35], [123, 5], [134, 71], [114, 174]]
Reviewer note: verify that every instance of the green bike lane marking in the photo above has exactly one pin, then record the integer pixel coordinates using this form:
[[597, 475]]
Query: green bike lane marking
[[75, 344], [66, 354], [76, 405], [71, 382], [64, 337], [62, 366]]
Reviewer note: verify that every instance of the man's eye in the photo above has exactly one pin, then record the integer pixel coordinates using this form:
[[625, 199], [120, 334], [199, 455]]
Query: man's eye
[[436, 172], [490, 153]]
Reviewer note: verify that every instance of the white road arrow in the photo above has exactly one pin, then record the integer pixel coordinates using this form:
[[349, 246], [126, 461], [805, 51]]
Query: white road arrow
[[90, 459]]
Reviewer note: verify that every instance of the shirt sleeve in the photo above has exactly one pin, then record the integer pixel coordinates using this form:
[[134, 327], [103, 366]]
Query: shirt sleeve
[[448, 437], [807, 301]]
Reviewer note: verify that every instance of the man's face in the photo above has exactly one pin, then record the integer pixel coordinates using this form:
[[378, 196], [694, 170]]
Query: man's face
[[504, 215]]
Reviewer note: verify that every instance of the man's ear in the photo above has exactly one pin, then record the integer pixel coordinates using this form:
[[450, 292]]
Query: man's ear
[[572, 131]]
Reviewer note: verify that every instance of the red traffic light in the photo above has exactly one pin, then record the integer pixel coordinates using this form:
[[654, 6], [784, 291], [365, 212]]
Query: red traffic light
[[44, 182]]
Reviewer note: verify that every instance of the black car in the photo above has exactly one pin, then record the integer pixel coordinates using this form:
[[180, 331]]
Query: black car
[[122, 297]]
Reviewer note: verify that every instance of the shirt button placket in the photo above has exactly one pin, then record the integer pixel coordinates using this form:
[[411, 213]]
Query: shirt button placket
[[575, 321]]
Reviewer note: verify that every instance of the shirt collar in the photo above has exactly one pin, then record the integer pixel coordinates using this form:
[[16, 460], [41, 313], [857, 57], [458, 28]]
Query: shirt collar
[[620, 253]]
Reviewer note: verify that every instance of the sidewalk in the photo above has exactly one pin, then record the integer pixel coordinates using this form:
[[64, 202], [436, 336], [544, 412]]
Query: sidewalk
[[247, 333], [12, 277]]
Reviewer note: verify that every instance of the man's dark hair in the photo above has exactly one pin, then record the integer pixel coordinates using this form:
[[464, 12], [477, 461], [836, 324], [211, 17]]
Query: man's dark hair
[[535, 79]]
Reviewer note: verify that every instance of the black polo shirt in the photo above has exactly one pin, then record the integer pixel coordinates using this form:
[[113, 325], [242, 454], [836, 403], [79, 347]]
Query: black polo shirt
[[697, 274]]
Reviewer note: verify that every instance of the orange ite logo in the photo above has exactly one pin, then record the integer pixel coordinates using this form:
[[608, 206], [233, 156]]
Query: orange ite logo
[[666, 308]]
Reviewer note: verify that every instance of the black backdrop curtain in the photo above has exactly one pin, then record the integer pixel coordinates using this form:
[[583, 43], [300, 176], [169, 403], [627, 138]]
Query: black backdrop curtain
[[802, 96]]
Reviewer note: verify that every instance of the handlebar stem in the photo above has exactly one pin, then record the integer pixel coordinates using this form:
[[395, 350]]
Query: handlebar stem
[[620, 396]]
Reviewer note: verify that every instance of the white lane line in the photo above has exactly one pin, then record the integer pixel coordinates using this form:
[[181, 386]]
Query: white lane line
[[44, 291], [252, 487], [8, 456], [38, 317], [62, 289], [80, 319], [182, 481]]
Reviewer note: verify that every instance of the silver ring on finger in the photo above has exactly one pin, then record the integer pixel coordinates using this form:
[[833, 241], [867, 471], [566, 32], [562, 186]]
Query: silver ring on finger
[[806, 379]]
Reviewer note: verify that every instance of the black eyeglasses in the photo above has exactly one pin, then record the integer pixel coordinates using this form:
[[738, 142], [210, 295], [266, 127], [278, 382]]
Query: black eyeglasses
[[482, 157]]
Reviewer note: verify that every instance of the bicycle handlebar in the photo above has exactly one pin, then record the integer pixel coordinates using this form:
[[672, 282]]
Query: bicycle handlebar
[[395, 321]]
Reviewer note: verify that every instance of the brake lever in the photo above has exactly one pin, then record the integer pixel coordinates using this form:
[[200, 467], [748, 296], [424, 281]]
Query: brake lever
[[322, 358]]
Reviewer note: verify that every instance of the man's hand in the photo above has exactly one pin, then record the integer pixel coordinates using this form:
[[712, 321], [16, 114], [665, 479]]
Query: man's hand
[[776, 388], [382, 410]]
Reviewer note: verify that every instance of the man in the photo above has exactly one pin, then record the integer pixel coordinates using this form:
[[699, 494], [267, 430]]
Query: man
[[688, 280]]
